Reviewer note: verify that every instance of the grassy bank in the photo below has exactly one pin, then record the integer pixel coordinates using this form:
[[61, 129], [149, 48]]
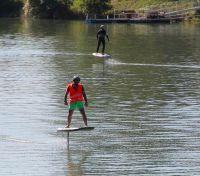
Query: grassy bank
[[141, 4]]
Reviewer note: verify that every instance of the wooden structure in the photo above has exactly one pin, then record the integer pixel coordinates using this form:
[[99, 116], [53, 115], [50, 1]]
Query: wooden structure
[[174, 13]]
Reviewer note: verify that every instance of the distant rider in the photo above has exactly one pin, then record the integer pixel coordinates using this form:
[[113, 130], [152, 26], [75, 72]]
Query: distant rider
[[101, 34], [77, 96]]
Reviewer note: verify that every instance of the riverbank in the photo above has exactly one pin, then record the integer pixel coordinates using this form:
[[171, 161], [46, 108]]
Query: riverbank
[[64, 10]]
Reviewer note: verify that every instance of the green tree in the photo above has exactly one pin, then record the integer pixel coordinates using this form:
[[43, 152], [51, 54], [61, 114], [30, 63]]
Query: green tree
[[10, 7], [48, 8], [99, 7]]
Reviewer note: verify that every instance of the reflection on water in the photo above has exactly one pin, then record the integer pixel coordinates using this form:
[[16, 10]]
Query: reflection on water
[[143, 102]]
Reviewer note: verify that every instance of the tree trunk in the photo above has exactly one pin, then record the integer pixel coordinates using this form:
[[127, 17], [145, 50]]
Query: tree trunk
[[32, 8]]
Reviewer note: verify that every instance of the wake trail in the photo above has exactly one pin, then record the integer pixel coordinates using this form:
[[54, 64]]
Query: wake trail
[[115, 62]]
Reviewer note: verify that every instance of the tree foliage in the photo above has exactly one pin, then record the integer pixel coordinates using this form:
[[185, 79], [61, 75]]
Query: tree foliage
[[48, 8], [96, 6], [56, 8], [99, 7], [10, 7]]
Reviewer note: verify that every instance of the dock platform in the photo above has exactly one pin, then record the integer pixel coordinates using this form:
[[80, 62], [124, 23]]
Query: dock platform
[[134, 20]]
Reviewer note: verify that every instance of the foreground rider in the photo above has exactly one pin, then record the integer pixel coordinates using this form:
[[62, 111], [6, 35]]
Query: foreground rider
[[101, 34], [77, 98]]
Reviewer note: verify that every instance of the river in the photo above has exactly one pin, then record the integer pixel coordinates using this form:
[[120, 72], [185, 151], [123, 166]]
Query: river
[[144, 101]]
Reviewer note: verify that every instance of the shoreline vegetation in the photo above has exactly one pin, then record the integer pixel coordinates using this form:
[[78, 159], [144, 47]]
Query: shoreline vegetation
[[80, 9]]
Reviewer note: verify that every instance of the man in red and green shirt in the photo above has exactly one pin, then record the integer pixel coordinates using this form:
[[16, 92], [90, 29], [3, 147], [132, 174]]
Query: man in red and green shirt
[[77, 97]]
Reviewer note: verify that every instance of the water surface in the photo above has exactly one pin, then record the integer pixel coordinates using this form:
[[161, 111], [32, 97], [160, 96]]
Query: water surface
[[144, 102]]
